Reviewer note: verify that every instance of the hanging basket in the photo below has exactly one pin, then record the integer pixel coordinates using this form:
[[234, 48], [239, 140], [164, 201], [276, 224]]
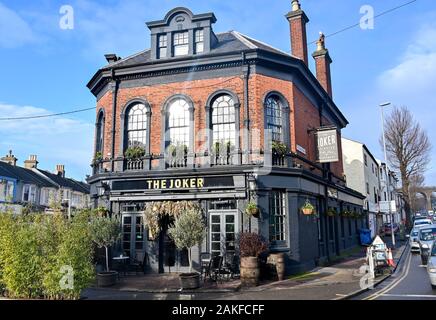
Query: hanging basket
[[307, 211], [308, 208]]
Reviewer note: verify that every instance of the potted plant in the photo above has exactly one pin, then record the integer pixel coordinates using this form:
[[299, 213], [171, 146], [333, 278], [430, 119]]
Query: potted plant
[[331, 212], [251, 245], [188, 231], [252, 210], [98, 157], [308, 208], [135, 153], [105, 232], [279, 148]]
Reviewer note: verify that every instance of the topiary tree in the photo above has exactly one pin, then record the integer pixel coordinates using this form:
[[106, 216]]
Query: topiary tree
[[105, 232], [189, 230]]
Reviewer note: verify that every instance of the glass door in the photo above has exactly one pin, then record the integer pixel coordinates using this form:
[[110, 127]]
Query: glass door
[[223, 228], [133, 240]]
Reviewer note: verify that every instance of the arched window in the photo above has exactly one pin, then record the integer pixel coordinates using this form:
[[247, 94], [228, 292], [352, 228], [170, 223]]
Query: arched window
[[137, 126], [224, 120], [178, 122], [100, 133], [274, 117]]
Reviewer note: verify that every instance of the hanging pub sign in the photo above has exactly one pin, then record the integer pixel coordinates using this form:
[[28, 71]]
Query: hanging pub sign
[[327, 145]]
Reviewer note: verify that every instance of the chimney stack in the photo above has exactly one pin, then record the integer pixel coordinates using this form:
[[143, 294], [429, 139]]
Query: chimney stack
[[111, 58], [322, 62], [10, 159], [297, 22], [60, 170], [32, 163]]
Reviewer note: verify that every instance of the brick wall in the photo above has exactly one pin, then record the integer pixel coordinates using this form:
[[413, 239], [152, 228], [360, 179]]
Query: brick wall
[[303, 115]]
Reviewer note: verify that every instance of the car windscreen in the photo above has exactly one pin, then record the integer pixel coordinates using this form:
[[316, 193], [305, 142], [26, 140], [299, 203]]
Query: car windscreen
[[427, 234], [414, 233], [421, 223]]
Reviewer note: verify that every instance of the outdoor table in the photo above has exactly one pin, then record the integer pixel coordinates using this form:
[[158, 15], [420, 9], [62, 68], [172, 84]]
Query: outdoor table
[[122, 261]]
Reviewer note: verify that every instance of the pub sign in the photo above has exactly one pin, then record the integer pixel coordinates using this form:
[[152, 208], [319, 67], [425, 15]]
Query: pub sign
[[327, 146]]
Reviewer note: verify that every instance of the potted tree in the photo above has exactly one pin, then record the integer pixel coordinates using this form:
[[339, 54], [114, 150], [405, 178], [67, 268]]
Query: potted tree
[[188, 231], [251, 245], [105, 232]]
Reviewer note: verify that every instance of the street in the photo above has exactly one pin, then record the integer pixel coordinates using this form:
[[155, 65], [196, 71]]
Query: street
[[409, 282]]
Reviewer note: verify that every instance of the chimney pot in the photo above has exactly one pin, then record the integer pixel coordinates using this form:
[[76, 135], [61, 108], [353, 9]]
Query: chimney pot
[[10, 159], [60, 170], [297, 22], [322, 62], [32, 162]]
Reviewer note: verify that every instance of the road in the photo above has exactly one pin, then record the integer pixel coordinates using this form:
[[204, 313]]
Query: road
[[409, 282]]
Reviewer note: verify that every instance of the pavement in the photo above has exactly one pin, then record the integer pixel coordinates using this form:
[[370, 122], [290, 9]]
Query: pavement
[[335, 282]]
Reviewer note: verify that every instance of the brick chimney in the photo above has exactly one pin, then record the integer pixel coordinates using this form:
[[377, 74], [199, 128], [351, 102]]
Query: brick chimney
[[31, 163], [10, 159], [60, 170], [322, 62], [297, 22]]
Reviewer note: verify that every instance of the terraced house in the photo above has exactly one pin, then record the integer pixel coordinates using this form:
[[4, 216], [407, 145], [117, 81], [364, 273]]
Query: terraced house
[[223, 119]]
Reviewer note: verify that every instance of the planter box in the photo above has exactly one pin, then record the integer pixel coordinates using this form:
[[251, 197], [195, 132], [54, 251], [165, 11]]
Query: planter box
[[190, 281], [107, 279]]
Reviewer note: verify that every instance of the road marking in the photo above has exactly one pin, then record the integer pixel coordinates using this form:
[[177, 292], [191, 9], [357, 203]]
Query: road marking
[[410, 295], [393, 285]]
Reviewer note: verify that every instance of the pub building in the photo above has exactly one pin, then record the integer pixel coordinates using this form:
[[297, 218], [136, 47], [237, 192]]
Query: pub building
[[225, 120]]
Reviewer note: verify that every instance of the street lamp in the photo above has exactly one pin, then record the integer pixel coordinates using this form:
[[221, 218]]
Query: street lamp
[[388, 191]]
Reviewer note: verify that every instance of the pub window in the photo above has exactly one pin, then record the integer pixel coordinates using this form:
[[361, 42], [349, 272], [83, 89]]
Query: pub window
[[163, 45], [199, 41], [181, 44], [223, 205], [100, 132], [274, 117], [224, 120], [178, 123], [277, 229], [137, 126]]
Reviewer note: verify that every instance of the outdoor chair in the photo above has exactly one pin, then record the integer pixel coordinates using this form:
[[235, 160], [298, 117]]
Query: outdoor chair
[[215, 269], [138, 263], [205, 258], [231, 269]]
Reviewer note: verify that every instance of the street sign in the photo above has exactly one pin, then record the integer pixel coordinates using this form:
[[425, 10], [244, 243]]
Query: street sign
[[327, 146], [384, 206]]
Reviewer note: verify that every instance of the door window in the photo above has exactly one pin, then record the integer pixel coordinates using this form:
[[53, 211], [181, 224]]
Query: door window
[[223, 230]]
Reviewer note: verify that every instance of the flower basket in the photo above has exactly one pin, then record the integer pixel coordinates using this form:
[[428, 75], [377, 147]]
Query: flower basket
[[331, 213], [252, 209], [308, 208], [279, 148]]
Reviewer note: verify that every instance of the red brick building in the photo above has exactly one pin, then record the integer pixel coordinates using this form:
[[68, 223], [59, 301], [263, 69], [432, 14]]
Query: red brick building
[[223, 119]]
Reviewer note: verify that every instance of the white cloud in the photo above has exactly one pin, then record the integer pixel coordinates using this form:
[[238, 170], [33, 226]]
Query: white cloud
[[14, 31], [57, 140]]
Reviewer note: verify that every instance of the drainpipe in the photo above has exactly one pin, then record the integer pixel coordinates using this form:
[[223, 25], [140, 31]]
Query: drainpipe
[[114, 87], [246, 142]]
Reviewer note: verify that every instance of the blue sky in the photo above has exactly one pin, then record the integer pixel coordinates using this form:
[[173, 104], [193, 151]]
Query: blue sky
[[45, 69]]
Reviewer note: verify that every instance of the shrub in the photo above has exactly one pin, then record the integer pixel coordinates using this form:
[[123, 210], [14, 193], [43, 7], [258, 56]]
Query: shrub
[[251, 245], [34, 248], [135, 153], [280, 148]]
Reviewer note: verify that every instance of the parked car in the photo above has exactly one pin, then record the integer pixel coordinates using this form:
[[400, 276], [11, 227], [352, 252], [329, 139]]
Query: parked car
[[422, 222], [413, 240], [427, 235], [431, 266], [387, 229]]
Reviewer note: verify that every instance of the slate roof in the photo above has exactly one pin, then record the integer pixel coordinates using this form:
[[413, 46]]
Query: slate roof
[[66, 182], [228, 42], [24, 175], [32, 177]]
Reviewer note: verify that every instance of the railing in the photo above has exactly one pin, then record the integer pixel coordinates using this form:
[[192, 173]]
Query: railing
[[205, 160]]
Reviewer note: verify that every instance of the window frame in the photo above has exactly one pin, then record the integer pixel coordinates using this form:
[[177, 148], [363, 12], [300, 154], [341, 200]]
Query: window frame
[[162, 45], [199, 39], [278, 238], [223, 112], [285, 119], [179, 43]]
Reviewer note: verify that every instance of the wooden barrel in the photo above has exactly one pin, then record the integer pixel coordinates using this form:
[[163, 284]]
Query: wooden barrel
[[279, 261], [249, 272]]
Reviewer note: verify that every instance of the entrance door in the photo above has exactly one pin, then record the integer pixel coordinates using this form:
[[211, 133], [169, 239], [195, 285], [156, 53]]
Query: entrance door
[[133, 236], [223, 228]]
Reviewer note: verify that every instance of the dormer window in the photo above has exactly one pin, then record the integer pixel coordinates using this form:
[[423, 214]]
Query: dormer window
[[181, 44], [163, 45], [199, 41]]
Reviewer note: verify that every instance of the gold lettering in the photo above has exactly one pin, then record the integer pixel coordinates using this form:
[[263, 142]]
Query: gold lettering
[[185, 183], [178, 183], [156, 184], [200, 183], [164, 184], [149, 183]]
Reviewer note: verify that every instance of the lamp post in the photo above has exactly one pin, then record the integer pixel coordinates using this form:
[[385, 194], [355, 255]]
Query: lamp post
[[388, 191]]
